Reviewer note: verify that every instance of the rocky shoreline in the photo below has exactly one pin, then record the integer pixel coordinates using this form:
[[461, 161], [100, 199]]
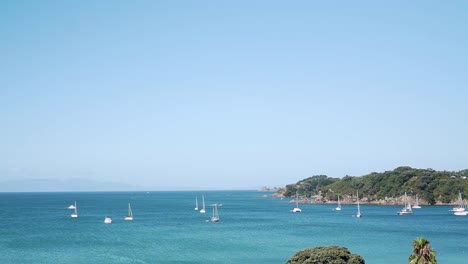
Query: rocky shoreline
[[317, 199]]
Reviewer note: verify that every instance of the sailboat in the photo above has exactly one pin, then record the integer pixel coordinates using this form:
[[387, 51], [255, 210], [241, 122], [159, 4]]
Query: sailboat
[[462, 212], [107, 220], [416, 206], [196, 203], [407, 209], [129, 216], [203, 205], [358, 207], [297, 209], [338, 208], [215, 217], [460, 207], [75, 214]]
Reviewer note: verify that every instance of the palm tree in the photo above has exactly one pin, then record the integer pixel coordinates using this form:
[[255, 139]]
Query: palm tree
[[422, 252]]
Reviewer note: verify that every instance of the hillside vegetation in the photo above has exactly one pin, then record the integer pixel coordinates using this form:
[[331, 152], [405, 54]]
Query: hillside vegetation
[[431, 186]]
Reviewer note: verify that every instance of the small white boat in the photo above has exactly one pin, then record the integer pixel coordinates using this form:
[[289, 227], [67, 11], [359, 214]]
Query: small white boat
[[107, 220], [338, 208], [72, 206], [407, 209], [358, 207], [129, 216], [463, 213], [196, 203], [458, 209], [202, 211], [75, 213], [297, 209], [215, 217], [416, 206]]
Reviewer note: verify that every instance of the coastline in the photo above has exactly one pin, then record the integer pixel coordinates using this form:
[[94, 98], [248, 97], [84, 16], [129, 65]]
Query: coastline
[[388, 201]]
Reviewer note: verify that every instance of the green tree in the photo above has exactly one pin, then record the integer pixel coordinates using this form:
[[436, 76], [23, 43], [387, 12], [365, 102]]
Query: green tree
[[330, 254], [422, 252]]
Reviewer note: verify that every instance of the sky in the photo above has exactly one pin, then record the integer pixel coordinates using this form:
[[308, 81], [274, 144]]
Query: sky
[[201, 95]]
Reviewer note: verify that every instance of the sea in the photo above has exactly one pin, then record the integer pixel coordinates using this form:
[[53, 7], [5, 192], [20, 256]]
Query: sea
[[253, 228]]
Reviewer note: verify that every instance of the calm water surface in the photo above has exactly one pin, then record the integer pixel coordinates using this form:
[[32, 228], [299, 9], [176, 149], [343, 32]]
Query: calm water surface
[[37, 228]]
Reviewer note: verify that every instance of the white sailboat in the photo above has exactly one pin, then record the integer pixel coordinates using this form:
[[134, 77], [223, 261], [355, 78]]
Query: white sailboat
[[75, 214], [107, 220], [462, 213], [297, 209], [203, 205], [358, 207], [338, 208], [129, 216], [416, 206], [407, 209], [196, 203], [215, 217], [460, 207]]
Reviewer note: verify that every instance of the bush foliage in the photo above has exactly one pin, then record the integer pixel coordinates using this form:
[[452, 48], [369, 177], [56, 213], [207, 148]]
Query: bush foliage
[[330, 255]]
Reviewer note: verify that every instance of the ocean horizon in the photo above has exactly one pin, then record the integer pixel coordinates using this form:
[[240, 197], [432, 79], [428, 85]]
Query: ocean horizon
[[36, 227]]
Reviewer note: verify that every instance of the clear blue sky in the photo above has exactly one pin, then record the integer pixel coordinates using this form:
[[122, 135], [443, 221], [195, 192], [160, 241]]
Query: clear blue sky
[[230, 94]]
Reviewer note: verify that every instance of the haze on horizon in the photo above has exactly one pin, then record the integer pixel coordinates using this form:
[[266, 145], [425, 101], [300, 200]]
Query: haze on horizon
[[229, 95]]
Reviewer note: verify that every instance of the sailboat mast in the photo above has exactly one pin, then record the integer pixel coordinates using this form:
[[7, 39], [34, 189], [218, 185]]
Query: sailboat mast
[[358, 208]]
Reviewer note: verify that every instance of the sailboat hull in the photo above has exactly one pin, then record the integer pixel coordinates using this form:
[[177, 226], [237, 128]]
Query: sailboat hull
[[129, 218], [463, 213], [404, 213], [296, 210]]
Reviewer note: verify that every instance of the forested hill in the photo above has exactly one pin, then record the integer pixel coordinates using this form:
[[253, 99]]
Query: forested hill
[[431, 186]]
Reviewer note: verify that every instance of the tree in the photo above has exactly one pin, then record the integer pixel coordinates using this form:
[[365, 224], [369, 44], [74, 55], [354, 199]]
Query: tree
[[422, 252], [330, 254]]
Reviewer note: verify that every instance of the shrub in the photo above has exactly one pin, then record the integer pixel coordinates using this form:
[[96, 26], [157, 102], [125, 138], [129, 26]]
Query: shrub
[[325, 255]]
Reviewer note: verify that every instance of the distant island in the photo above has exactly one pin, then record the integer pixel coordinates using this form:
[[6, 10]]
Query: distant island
[[268, 189], [385, 188]]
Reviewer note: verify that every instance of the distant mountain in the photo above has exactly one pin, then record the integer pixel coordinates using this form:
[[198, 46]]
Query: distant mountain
[[54, 185], [431, 186]]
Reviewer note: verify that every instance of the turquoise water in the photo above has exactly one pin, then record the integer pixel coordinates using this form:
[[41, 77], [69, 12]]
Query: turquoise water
[[37, 228]]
